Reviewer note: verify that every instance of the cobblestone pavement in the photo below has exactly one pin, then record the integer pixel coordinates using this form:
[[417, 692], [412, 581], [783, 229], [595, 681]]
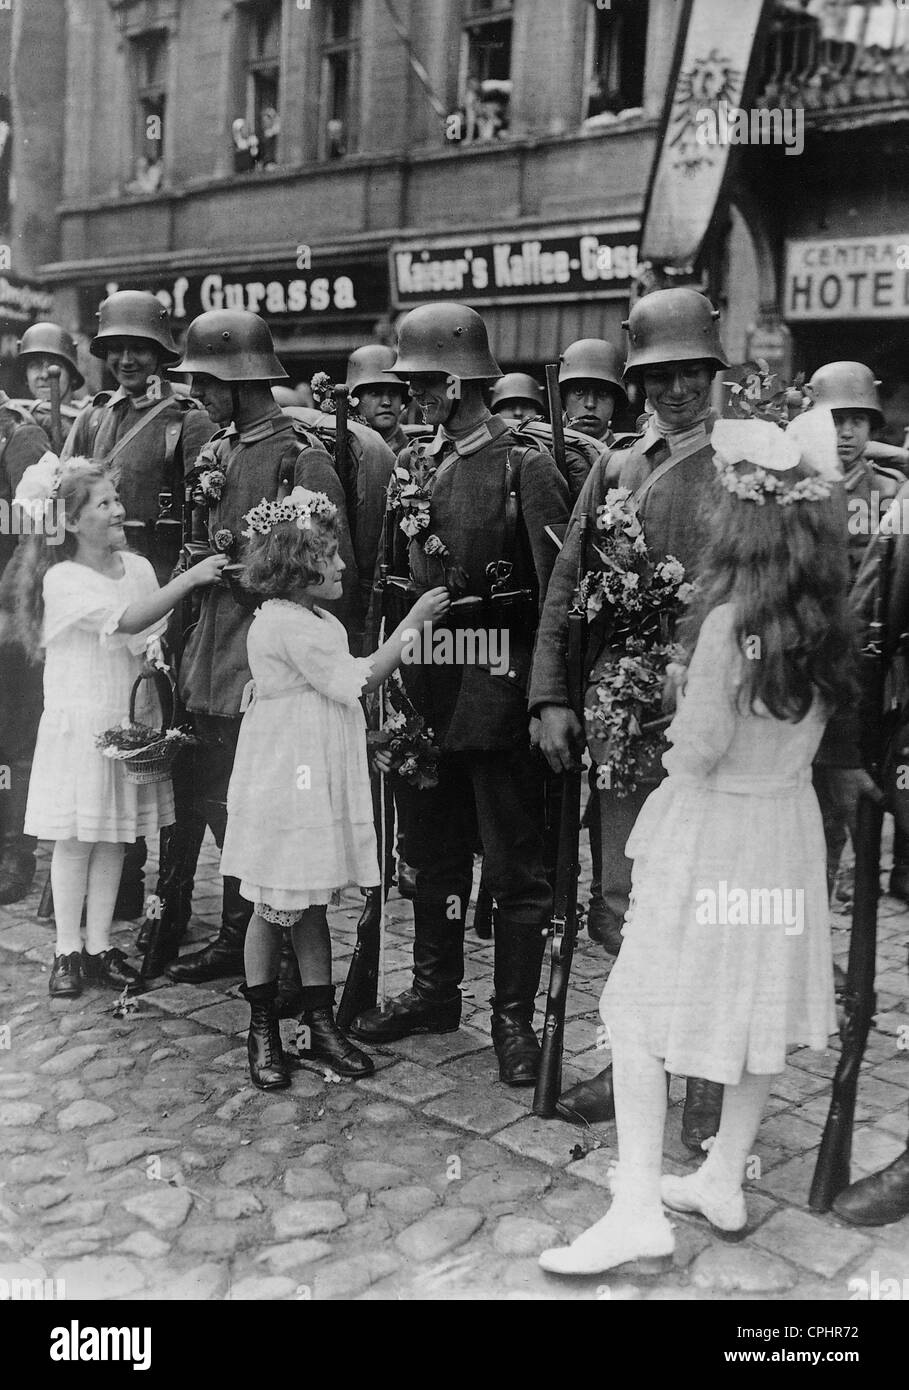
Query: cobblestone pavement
[[137, 1161]]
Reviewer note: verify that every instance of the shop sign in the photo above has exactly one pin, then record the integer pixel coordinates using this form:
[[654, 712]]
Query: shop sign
[[594, 261], [847, 278], [331, 290]]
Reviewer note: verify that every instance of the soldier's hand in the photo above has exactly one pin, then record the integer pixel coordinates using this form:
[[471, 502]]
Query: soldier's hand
[[208, 571], [561, 737], [535, 730], [847, 785], [383, 760], [431, 606]]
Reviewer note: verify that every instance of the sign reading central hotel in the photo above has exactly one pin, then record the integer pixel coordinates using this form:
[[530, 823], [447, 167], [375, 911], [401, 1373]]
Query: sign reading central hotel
[[596, 261], [847, 278]]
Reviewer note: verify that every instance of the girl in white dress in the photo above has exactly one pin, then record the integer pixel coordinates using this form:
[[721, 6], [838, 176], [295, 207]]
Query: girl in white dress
[[299, 809], [92, 605], [726, 957]]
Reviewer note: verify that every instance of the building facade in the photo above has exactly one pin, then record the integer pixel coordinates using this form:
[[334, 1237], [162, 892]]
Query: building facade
[[328, 163]]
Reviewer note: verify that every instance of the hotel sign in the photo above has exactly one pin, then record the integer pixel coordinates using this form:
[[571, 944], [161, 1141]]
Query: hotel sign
[[594, 261], [847, 278]]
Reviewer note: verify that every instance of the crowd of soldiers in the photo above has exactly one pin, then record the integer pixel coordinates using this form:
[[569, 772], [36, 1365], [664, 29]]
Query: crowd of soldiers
[[191, 463]]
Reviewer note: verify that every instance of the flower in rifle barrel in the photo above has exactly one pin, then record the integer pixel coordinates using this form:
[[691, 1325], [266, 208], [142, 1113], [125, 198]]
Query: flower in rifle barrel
[[627, 697], [405, 735], [223, 540], [409, 495]]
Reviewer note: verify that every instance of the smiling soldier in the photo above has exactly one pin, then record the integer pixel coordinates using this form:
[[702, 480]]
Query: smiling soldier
[[674, 354]]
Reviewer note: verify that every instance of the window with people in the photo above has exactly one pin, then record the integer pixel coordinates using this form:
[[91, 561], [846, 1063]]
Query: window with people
[[149, 59], [339, 79], [256, 129], [616, 44], [485, 76]]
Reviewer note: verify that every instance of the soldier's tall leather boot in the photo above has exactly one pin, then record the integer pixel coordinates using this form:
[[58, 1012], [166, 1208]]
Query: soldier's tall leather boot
[[224, 955], [879, 1199], [433, 1005], [17, 851], [519, 950], [701, 1116]]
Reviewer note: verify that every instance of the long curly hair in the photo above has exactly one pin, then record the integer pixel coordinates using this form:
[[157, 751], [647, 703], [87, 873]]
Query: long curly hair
[[785, 570], [284, 561], [23, 581]]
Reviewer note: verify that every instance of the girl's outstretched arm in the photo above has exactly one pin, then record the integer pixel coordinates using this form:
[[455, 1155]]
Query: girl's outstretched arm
[[428, 608], [144, 612]]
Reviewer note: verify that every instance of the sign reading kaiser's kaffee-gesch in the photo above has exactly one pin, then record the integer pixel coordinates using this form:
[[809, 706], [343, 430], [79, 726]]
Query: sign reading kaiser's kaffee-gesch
[[594, 261], [847, 278]]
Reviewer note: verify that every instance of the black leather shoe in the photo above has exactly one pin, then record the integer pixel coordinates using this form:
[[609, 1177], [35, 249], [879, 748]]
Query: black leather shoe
[[325, 1041], [111, 968], [516, 1044], [268, 1067], [899, 882], [589, 1102], [16, 873], [66, 976], [211, 963], [701, 1116], [405, 1015], [878, 1200]]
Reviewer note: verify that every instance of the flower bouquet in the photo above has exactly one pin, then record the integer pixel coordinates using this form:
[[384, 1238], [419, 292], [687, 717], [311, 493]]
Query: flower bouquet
[[643, 598], [408, 740]]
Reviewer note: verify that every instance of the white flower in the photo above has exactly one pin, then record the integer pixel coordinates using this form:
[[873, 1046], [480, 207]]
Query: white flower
[[38, 483], [814, 434], [755, 441]]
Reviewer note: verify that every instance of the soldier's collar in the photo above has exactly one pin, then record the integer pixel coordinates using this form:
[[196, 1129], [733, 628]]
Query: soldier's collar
[[264, 427], [142, 402], [483, 433], [854, 475], [659, 443]]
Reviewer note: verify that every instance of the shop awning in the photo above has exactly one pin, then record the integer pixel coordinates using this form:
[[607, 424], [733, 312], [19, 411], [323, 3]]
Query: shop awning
[[538, 332]]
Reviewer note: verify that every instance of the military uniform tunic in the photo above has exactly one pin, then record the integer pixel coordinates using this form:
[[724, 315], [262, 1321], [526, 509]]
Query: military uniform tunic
[[214, 669]]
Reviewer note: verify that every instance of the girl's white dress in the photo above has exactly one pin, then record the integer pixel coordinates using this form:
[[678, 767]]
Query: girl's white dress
[[74, 791], [726, 952], [299, 808]]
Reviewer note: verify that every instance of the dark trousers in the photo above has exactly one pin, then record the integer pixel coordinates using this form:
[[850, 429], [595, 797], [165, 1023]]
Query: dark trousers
[[617, 817], [834, 822], [212, 765]]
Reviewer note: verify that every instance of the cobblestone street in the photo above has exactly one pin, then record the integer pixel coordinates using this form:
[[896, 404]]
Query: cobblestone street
[[139, 1162]]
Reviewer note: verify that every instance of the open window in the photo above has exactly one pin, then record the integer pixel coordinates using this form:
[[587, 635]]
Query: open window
[[256, 127], [149, 58], [616, 51], [340, 79], [485, 79]]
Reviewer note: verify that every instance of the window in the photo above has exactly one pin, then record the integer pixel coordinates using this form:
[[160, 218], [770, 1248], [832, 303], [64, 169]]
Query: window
[[617, 38], [149, 58], [256, 128], [485, 87], [339, 106]]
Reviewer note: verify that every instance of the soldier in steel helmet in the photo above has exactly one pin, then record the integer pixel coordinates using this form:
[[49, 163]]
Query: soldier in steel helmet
[[45, 345], [257, 451], [518, 396], [674, 355], [153, 437], [22, 443], [850, 391], [487, 500], [377, 393], [590, 380]]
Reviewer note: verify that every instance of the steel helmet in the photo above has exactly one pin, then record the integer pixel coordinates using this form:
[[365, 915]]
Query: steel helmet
[[230, 345], [677, 325], [50, 340], [516, 386], [847, 386], [592, 359], [370, 365], [447, 338], [134, 314]]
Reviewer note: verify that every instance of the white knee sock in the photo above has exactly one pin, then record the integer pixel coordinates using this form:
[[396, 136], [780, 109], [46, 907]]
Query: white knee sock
[[743, 1106], [640, 1112], [104, 869], [69, 881]]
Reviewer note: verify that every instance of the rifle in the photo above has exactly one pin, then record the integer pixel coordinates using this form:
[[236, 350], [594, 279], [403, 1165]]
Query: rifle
[[344, 459], [565, 896], [56, 415], [832, 1172], [554, 399]]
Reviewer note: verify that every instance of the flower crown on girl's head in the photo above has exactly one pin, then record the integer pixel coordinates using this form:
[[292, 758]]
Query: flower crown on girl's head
[[301, 506], [41, 481], [810, 440]]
